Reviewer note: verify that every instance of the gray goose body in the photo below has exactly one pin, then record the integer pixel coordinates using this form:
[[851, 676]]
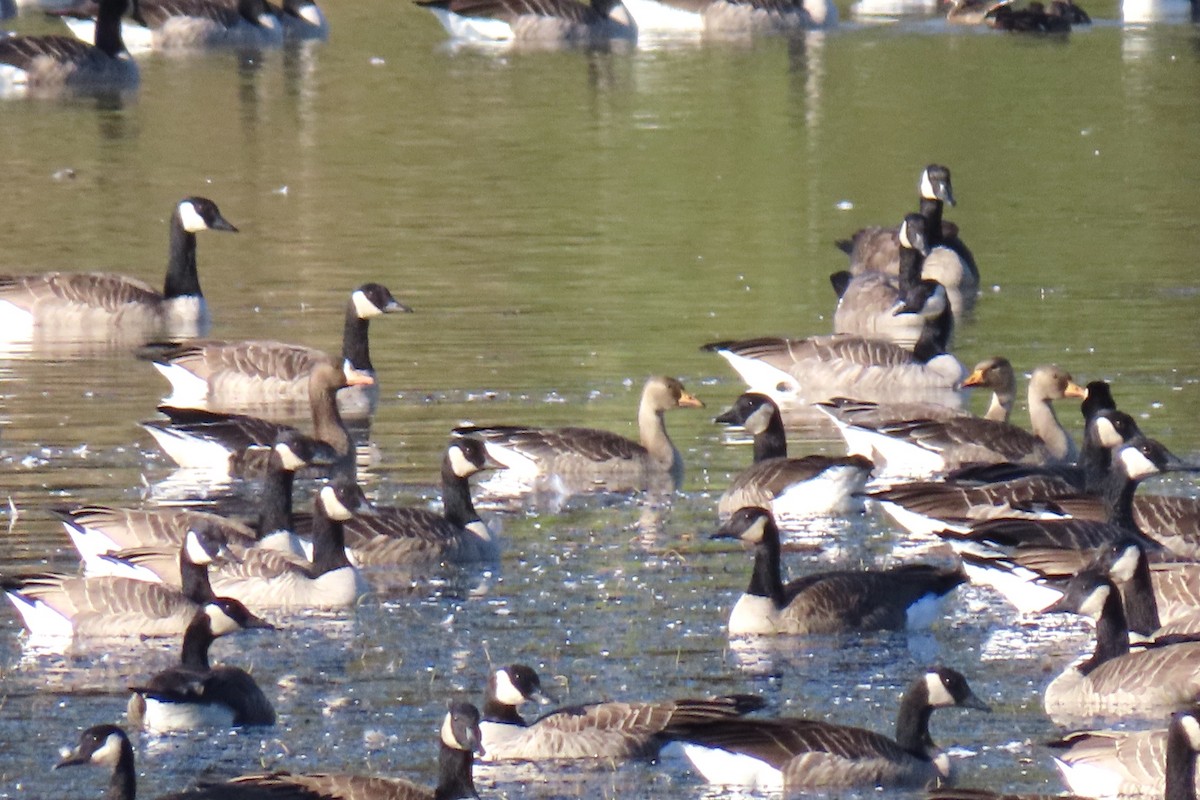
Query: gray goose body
[[188, 25], [194, 693], [224, 375], [832, 601], [54, 605], [722, 18], [50, 65], [532, 21], [607, 730], [100, 305], [790, 487], [822, 367], [588, 457], [786, 754]]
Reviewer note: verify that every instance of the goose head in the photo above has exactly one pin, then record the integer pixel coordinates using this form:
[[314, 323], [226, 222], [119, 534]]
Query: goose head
[[197, 214], [945, 687], [468, 455], [912, 234], [516, 685], [225, 615], [100, 744], [662, 393], [752, 411], [296, 451], [373, 299], [460, 728], [935, 184]]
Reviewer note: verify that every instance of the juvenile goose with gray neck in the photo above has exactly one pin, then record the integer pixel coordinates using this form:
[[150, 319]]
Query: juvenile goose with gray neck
[[608, 730], [187, 24], [50, 65], [592, 456], [540, 21], [791, 487], [91, 305], [787, 753], [217, 374], [829, 602], [195, 694], [822, 367]]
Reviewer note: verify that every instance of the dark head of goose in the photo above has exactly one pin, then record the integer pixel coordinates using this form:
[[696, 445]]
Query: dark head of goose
[[205, 544], [224, 616], [752, 410], [106, 745], [912, 234], [468, 455], [342, 499], [1142, 457], [296, 451], [373, 299], [460, 728], [935, 184], [515, 685], [201, 214]]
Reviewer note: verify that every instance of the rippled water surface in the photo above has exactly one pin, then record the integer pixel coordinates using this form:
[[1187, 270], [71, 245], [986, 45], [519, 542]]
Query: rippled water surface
[[565, 224]]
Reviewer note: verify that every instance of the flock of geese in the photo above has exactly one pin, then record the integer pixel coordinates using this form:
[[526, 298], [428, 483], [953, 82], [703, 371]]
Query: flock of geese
[[1047, 525], [106, 34]]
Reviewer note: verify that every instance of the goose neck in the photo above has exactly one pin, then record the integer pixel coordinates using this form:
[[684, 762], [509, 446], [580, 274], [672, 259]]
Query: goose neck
[[911, 262], [766, 579], [275, 510], [193, 580], [652, 433], [1119, 491], [771, 442], [455, 781], [182, 279], [931, 210], [495, 711], [1046, 426], [356, 341], [1181, 763], [329, 543], [458, 508], [329, 427], [912, 722], [196, 641], [1141, 606], [935, 336], [108, 28], [123, 783], [1112, 634]]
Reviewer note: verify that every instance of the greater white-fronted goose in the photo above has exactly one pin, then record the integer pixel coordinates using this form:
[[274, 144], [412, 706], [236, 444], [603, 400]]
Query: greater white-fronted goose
[[533, 21], [791, 371], [50, 65], [1109, 763], [833, 601], [1158, 677], [58, 606], [918, 447], [99, 305], [222, 375], [726, 18], [787, 754], [591, 456], [187, 24], [790, 487], [194, 694], [949, 260], [608, 730], [399, 536], [235, 443], [866, 302]]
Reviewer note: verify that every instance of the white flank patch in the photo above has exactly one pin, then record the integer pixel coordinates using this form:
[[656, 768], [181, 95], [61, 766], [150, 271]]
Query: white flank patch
[[333, 506], [1137, 466], [187, 390], [896, 457], [40, 619], [518, 465], [473, 29], [285, 542], [761, 377], [1088, 779], [137, 38], [1019, 588], [14, 81], [753, 615], [733, 769], [506, 692], [165, 717], [939, 695], [84, 29], [90, 543], [190, 217], [479, 530], [185, 316], [924, 612], [16, 324], [189, 451], [652, 16], [112, 566], [830, 492], [915, 523]]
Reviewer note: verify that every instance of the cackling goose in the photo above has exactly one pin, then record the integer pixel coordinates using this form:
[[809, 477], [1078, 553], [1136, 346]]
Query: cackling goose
[[909, 595], [215, 374], [48, 65], [194, 694], [786, 754], [591, 456], [790, 487], [99, 305]]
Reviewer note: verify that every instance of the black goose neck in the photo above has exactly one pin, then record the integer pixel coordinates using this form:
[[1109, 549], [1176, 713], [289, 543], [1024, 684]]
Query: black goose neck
[[912, 721], [1118, 499], [196, 641], [456, 497], [771, 442], [765, 580], [275, 511], [495, 711], [931, 210], [108, 28], [182, 278], [935, 336], [193, 580], [1181, 765], [455, 780], [1112, 633], [329, 543], [355, 340], [1095, 460], [123, 783], [911, 262], [1141, 606]]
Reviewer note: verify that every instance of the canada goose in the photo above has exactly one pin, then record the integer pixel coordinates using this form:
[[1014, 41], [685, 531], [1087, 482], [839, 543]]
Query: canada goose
[[193, 693], [829, 602], [785, 754], [269, 579], [948, 261], [50, 64], [595, 456], [228, 442], [215, 374], [1159, 676], [544, 21], [187, 24], [866, 301], [1032, 19], [108, 745], [408, 536], [97, 531], [58, 606], [1158, 762], [791, 487], [302, 20], [98, 305], [821, 367], [724, 18], [917, 447], [971, 12], [595, 730]]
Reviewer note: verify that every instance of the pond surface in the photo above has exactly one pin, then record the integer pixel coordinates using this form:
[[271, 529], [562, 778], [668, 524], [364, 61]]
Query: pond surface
[[566, 224]]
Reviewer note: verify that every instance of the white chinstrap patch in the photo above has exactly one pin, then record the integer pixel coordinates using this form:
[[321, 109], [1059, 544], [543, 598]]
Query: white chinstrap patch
[[506, 692], [334, 508], [190, 218], [939, 695]]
